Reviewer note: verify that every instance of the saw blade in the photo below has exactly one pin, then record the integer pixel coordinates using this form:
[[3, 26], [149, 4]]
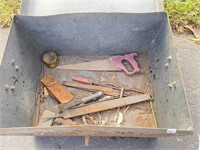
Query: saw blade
[[104, 65]]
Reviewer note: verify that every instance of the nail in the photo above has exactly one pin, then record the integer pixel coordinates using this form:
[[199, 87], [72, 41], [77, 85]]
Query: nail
[[169, 58], [16, 68]]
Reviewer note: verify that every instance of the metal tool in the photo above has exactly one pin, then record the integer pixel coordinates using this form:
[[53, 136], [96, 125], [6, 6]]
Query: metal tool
[[114, 63], [73, 103], [109, 85], [85, 100]]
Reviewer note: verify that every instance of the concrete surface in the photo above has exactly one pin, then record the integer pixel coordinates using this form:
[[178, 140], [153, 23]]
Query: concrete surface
[[52, 7], [189, 58]]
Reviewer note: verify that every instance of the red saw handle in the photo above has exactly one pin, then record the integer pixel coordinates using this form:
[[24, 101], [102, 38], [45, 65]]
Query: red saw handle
[[117, 60], [82, 80]]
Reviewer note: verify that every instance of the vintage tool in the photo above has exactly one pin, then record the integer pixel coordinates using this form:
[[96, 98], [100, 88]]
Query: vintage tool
[[51, 59], [113, 86], [60, 107], [93, 88], [114, 63], [73, 103], [56, 89], [102, 105]]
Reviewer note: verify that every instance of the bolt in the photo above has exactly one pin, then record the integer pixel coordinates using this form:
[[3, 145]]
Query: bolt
[[169, 58], [12, 87], [13, 61], [170, 85], [174, 84], [6, 87], [166, 65], [16, 68]]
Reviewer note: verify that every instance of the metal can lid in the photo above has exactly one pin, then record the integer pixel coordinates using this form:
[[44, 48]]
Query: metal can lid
[[50, 58]]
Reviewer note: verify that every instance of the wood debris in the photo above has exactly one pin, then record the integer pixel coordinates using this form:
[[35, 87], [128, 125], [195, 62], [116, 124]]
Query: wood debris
[[65, 122], [45, 92], [118, 119]]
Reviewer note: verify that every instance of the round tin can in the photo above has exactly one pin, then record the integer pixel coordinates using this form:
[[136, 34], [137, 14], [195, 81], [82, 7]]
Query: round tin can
[[50, 59]]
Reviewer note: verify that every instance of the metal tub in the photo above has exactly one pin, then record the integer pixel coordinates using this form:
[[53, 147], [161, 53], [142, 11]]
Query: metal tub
[[149, 34]]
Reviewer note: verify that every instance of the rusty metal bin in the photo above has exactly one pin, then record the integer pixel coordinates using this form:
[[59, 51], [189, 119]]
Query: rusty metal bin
[[148, 34]]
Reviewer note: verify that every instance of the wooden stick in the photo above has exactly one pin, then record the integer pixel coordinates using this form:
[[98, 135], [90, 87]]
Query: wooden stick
[[37, 106], [87, 140]]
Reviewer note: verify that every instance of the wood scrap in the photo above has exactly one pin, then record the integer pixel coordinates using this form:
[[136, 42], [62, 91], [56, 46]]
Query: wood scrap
[[84, 120], [121, 92], [104, 122], [87, 140], [106, 90], [45, 92], [65, 122], [118, 119], [44, 121], [37, 107], [56, 89], [91, 119]]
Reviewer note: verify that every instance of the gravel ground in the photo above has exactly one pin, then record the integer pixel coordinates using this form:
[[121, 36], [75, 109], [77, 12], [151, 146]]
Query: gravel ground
[[189, 58]]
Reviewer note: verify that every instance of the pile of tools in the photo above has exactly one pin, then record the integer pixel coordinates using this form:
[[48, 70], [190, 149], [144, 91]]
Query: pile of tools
[[105, 96]]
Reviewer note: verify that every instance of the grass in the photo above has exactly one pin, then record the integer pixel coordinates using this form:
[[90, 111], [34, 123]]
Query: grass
[[7, 9], [183, 13]]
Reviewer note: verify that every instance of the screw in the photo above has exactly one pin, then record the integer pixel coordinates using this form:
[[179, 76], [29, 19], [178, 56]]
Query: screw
[[166, 65], [16, 68], [169, 58], [6, 87], [13, 61], [12, 87]]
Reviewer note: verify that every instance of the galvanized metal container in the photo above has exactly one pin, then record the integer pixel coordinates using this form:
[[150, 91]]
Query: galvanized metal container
[[83, 34]]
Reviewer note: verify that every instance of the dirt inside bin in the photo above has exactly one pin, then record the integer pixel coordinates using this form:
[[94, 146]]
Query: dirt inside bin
[[136, 115]]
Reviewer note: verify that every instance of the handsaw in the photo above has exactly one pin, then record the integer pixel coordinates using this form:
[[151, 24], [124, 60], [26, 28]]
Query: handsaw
[[114, 63]]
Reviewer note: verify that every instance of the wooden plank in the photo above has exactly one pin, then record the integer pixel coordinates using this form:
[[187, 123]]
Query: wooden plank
[[56, 89], [105, 90], [105, 105], [92, 131], [99, 65], [46, 122]]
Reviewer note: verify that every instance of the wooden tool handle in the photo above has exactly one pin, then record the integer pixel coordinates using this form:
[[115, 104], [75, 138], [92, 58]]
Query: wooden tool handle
[[82, 80]]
